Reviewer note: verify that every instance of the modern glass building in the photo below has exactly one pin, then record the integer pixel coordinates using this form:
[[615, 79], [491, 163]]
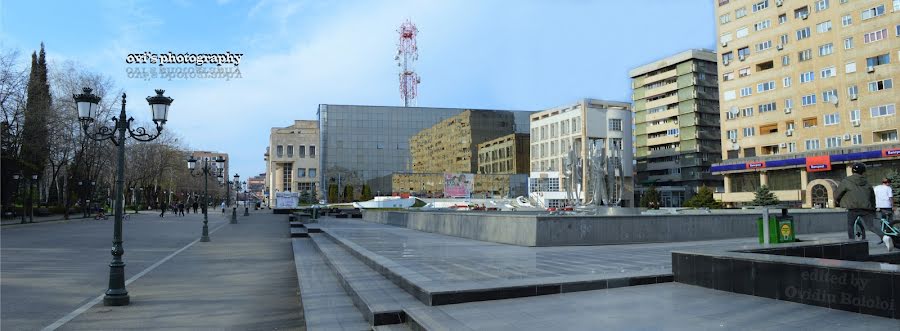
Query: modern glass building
[[364, 145]]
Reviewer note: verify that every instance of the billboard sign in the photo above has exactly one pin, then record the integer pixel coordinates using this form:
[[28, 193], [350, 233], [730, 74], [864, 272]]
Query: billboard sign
[[458, 185]]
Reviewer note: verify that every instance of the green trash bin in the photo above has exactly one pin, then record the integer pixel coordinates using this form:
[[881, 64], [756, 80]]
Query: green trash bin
[[781, 229]]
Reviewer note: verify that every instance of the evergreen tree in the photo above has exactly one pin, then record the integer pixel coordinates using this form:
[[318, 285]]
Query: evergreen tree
[[650, 198], [895, 186], [764, 197], [703, 199], [366, 193], [35, 129], [333, 194], [348, 193]]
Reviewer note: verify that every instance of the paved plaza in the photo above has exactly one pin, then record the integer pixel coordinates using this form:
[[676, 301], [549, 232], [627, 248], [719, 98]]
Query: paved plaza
[[243, 279]]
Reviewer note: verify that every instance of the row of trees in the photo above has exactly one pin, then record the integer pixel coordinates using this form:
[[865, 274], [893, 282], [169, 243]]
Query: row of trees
[[348, 194], [704, 198], [41, 135]]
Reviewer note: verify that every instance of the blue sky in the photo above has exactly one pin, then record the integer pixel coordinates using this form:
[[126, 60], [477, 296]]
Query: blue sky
[[518, 55]]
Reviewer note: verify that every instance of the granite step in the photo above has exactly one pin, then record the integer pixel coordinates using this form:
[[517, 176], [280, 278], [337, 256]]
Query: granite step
[[297, 225], [326, 306], [379, 299], [299, 233]]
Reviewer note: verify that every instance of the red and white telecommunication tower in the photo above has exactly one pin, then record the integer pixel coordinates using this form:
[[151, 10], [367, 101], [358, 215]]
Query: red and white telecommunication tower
[[407, 54]]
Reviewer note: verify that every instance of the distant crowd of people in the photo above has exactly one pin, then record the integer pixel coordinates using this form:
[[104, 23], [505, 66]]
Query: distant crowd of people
[[179, 208]]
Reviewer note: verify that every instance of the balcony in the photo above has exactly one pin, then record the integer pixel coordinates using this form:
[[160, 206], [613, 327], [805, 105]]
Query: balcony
[[661, 165], [661, 76], [661, 115], [663, 152], [661, 89], [663, 140], [661, 102], [662, 127]]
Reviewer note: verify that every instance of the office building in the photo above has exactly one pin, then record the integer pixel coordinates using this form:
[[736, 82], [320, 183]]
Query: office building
[[508, 154], [452, 145], [579, 127], [806, 89], [676, 117], [292, 159]]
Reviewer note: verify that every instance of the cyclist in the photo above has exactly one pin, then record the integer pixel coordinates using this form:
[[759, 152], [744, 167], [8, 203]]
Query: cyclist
[[855, 194]]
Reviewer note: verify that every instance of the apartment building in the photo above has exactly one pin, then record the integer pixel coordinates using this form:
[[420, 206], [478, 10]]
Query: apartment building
[[578, 127], [676, 117], [452, 144], [292, 159], [211, 156], [505, 155], [806, 88]]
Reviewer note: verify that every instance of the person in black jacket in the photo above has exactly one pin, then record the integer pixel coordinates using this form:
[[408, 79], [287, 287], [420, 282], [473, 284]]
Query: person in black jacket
[[855, 194]]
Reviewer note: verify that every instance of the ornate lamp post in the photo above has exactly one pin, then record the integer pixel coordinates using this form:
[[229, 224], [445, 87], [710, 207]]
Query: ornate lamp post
[[88, 106], [16, 178], [236, 183], [206, 171], [34, 181]]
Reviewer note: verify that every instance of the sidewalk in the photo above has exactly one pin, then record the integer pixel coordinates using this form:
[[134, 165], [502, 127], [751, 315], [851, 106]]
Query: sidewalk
[[59, 217], [243, 279]]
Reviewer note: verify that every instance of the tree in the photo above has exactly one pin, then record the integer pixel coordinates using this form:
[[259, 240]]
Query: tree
[[333, 193], [895, 186], [366, 193], [348, 193], [650, 199], [764, 197], [35, 131], [703, 199]]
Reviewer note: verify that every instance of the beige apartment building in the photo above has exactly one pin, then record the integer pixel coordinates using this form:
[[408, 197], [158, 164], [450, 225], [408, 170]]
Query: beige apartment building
[[452, 145], [806, 88], [292, 159], [676, 118], [504, 155], [211, 156]]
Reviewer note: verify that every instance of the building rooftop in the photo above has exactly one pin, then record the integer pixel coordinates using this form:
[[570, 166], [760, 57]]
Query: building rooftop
[[702, 54]]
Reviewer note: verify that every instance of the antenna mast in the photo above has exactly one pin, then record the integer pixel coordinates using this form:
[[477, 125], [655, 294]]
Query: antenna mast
[[407, 54]]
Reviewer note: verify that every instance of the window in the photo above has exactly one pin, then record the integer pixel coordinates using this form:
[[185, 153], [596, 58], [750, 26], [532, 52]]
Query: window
[[747, 112], [878, 60], [804, 55], [728, 76], [279, 151], [885, 110], [812, 144], [803, 33], [763, 45], [829, 72], [744, 72], [782, 18], [823, 27], [792, 147], [821, 5], [301, 150], [740, 12], [850, 67], [856, 139], [896, 5], [749, 132], [727, 58], [852, 90], [802, 12], [742, 32], [785, 60], [830, 95], [287, 177], [826, 49], [832, 119], [725, 38], [730, 115], [615, 124], [807, 77], [810, 122], [786, 81], [885, 136], [848, 43], [761, 5], [783, 39], [672, 132], [898, 29], [807, 100], [743, 52], [762, 25], [767, 86], [881, 85], [872, 12], [732, 134], [767, 107], [846, 20], [746, 91], [312, 151], [725, 18], [788, 103], [301, 172], [833, 142], [290, 150], [312, 172], [729, 95], [854, 115], [874, 36]]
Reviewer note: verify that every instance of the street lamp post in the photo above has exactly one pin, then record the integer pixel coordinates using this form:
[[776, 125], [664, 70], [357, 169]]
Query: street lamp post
[[16, 178], [236, 182], [205, 171], [246, 208], [34, 180], [88, 106]]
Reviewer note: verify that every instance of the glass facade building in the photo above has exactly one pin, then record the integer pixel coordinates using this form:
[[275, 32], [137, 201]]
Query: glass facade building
[[364, 145]]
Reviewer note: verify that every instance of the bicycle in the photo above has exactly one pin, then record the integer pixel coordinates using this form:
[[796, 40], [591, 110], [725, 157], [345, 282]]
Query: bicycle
[[889, 228]]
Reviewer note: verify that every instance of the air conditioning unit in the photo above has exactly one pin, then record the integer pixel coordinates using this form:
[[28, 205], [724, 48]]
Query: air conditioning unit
[[782, 145], [724, 44], [787, 110], [789, 133], [855, 122], [735, 147], [779, 3], [804, 16], [733, 140], [726, 63], [846, 136], [779, 47], [870, 69], [742, 57], [853, 96]]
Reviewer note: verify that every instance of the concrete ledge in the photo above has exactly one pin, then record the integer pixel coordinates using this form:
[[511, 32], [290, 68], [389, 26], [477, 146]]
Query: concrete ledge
[[543, 230], [299, 233]]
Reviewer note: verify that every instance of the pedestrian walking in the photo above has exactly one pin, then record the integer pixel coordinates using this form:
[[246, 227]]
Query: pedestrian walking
[[195, 206], [181, 208], [162, 210], [855, 194], [223, 207]]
